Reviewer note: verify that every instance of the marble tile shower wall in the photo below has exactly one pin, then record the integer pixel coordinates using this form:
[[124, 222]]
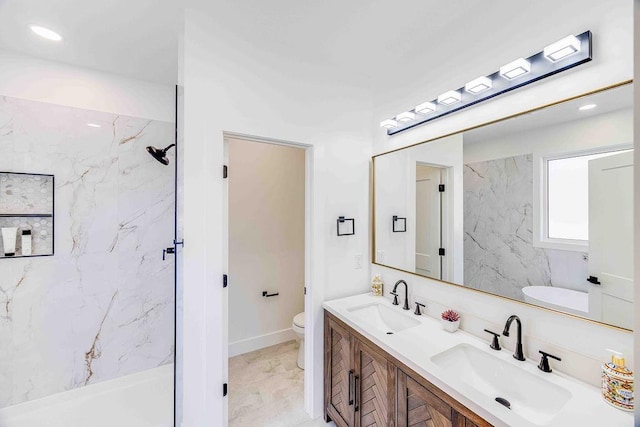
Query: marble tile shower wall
[[499, 256], [102, 307]]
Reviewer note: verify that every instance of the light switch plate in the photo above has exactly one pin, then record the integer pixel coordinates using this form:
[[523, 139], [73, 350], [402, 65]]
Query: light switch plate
[[358, 261]]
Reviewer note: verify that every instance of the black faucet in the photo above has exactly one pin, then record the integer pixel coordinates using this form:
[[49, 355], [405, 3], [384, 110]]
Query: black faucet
[[518, 355], [406, 294]]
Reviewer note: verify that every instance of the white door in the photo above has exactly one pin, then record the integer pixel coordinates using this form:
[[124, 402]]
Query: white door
[[611, 239], [428, 221]]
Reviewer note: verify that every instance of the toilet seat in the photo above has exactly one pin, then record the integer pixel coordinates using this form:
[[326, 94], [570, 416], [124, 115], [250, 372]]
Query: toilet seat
[[298, 320]]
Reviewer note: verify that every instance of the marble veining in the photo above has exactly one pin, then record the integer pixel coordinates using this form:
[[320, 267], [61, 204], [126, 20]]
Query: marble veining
[[102, 306], [499, 256]]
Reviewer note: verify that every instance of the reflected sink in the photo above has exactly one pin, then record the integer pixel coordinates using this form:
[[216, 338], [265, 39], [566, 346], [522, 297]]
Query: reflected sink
[[531, 397], [383, 317]]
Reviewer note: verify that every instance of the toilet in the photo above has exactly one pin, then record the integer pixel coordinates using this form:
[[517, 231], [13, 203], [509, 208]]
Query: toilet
[[298, 327]]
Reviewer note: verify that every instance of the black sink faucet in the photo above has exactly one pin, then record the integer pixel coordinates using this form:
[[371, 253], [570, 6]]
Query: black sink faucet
[[519, 355], [406, 294]]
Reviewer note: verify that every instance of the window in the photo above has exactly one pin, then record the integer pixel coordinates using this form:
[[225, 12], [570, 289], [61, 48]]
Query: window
[[567, 191]]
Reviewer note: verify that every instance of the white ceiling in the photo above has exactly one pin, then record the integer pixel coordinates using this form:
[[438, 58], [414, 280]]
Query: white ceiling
[[136, 38], [371, 43], [361, 39], [608, 101]]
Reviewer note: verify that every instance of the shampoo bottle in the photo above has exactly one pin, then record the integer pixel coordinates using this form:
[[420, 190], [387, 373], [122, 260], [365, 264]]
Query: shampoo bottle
[[26, 242], [617, 383], [9, 240]]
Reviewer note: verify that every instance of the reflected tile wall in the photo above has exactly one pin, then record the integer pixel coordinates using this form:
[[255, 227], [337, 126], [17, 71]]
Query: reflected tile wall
[[499, 256], [103, 306]]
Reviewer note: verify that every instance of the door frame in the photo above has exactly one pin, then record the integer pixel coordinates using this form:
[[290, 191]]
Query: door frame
[[446, 221], [314, 296]]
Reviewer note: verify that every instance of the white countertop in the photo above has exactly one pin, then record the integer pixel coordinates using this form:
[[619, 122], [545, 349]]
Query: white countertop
[[416, 345]]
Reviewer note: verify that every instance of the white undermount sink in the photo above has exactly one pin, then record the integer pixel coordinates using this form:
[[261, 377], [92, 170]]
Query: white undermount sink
[[383, 317], [530, 396]]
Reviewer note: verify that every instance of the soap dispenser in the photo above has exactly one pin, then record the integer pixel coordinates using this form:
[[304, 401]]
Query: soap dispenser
[[617, 382], [376, 286]]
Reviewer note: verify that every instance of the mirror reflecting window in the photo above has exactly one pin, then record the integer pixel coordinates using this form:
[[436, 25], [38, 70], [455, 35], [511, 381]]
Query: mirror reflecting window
[[537, 208]]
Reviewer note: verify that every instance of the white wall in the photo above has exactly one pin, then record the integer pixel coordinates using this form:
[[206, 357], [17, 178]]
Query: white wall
[[266, 242], [234, 86], [395, 181], [56, 83], [581, 343]]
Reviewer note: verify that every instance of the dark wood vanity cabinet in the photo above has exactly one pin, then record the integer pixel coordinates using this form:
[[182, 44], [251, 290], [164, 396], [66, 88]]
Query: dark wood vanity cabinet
[[364, 386], [359, 380]]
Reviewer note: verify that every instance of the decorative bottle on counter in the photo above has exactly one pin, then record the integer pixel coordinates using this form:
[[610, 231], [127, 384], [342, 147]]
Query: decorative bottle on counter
[[376, 286], [617, 383]]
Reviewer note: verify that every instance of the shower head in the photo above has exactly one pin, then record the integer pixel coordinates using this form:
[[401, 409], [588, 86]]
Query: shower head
[[160, 154]]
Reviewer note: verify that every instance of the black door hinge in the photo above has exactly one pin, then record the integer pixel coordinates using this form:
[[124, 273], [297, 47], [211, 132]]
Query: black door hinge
[[441, 188], [224, 389], [441, 251], [305, 290], [225, 171], [224, 281]]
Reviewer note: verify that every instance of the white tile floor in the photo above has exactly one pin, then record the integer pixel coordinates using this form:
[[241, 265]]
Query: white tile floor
[[266, 389]]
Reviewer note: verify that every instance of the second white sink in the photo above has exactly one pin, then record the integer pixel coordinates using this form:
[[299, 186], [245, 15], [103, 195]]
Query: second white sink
[[382, 317], [530, 396]]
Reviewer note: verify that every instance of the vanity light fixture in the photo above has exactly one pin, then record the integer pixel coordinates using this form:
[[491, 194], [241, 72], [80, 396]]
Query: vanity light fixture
[[425, 108], [94, 125], [388, 124], [407, 116], [46, 33], [562, 48], [515, 69], [478, 85], [555, 58], [587, 107], [450, 97]]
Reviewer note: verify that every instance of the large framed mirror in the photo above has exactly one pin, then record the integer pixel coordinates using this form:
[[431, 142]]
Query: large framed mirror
[[537, 208]]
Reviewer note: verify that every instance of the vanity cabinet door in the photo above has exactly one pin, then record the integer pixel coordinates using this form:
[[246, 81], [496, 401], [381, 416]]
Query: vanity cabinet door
[[417, 406], [339, 374], [374, 387]]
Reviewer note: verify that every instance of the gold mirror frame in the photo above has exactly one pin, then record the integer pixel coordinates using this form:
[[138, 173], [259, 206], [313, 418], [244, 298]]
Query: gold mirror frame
[[511, 116]]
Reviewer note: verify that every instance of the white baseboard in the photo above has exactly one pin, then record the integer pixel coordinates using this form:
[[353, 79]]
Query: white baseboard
[[261, 341]]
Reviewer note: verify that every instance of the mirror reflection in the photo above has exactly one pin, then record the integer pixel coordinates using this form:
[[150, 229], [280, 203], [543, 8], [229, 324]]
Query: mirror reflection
[[537, 208]]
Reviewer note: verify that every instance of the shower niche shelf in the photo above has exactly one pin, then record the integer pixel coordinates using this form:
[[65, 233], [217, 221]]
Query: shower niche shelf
[[26, 205]]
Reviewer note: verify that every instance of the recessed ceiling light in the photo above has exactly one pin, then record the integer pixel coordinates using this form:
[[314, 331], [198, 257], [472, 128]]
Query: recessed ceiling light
[[587, 107], [93, 125], [450, 97], [388, 124], [515, 69], [562, 48], [46, 33], [407, 116]]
